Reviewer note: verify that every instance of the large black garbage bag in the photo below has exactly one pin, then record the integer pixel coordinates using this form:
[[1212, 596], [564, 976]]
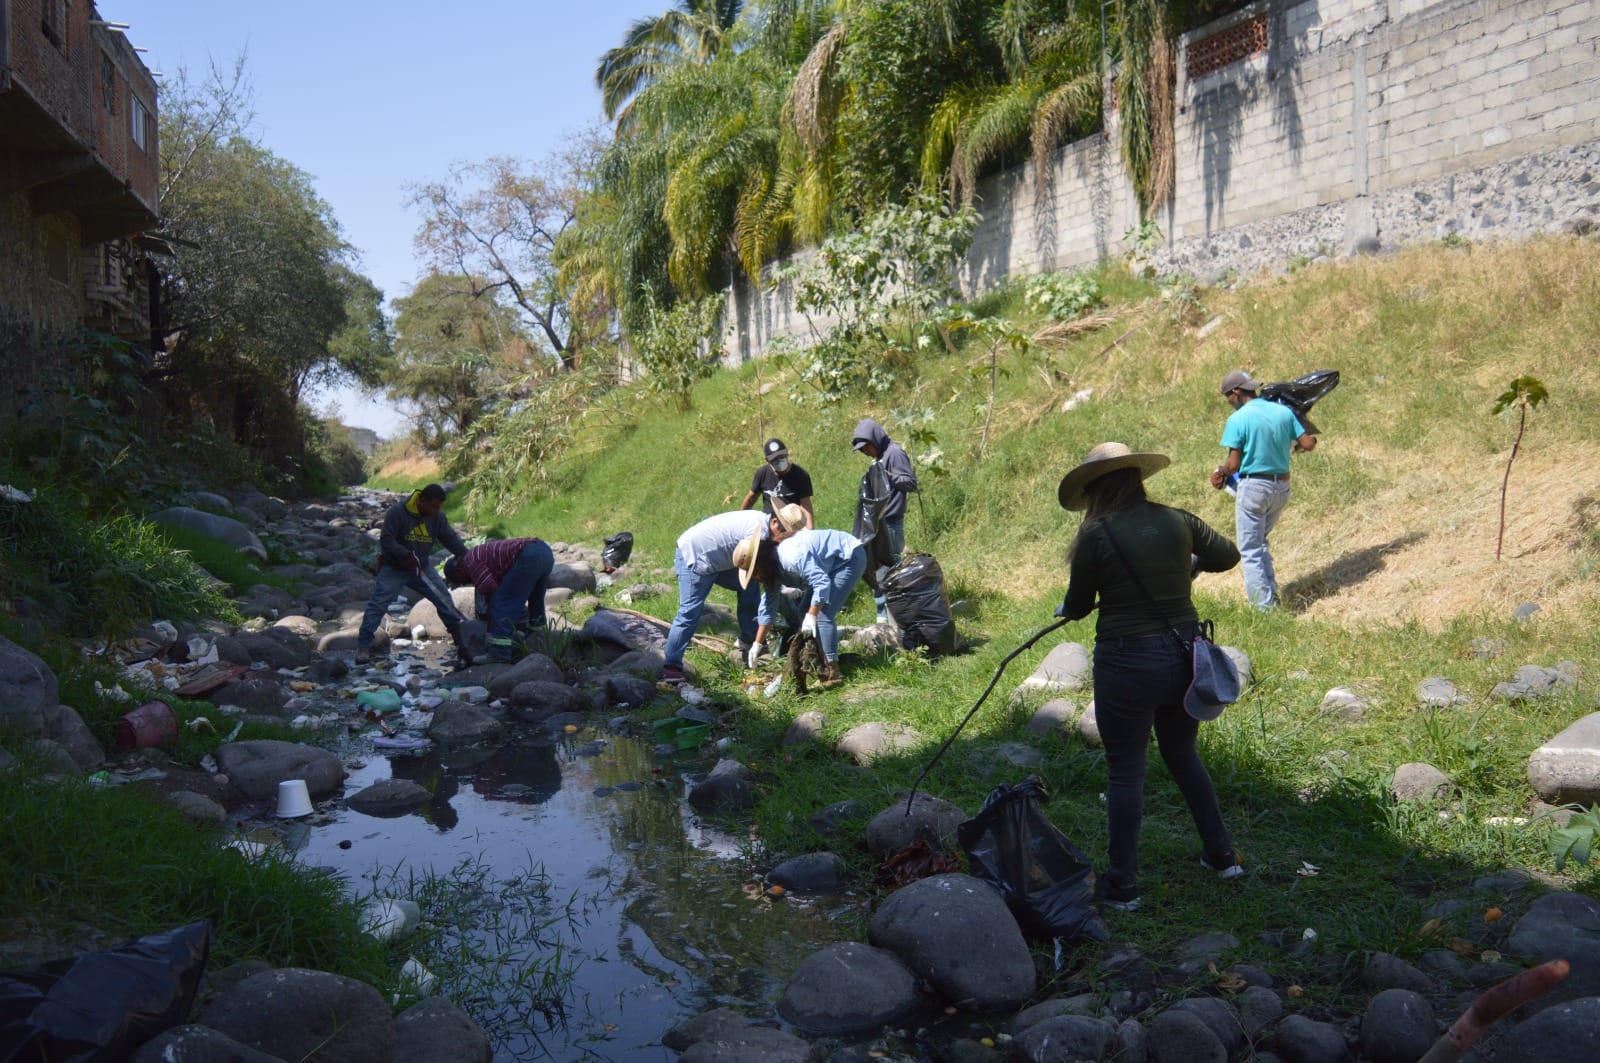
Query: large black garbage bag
[[619, 548], [914, 592], [1302, 393], [1047, 883], [99, 1007], [871, 501]]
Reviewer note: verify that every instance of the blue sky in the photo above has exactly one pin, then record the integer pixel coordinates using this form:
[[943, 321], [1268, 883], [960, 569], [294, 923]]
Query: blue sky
[[370, 98]]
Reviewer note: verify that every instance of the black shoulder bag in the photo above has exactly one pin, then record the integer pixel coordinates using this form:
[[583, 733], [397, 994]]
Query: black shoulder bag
[[1215, 681]]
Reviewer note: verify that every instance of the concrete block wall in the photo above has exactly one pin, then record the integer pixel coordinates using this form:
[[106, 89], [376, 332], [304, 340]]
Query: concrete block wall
[[1363, 124]]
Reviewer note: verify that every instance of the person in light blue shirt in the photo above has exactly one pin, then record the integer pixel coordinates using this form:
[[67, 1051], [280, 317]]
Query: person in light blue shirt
[[1260, 436], [828, 563]]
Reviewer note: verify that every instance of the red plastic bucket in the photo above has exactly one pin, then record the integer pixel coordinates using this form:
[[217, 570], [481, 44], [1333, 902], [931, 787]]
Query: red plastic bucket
[[147, 727]]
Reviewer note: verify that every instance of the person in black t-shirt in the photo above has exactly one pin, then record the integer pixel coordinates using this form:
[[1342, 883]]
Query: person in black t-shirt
[[780, 482]]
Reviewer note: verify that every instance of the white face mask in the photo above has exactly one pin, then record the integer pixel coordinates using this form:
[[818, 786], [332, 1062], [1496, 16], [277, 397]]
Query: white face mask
[[781, 465]]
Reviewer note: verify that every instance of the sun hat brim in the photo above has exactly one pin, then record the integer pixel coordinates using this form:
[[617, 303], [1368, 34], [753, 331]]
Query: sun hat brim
[[752, 547], [1070, 493]]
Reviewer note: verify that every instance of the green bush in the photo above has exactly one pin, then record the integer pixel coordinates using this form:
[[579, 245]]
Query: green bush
[[1063, 296]]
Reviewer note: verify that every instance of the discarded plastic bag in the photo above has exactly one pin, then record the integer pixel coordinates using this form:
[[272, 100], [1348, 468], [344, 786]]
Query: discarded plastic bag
[[619, 548], [914, 593], [100, 1006], [1046, 882], [148, 727], [385, 700]]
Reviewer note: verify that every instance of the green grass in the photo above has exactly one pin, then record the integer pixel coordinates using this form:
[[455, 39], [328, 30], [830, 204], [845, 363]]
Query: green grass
[[238, 570]]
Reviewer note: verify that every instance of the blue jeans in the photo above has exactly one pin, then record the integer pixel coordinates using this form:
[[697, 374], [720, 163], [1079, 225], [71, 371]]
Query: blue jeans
[[387, 587], [896, 527], [1257, 507], [693, 590], [521, 591], [840, 584], [1139, 684]]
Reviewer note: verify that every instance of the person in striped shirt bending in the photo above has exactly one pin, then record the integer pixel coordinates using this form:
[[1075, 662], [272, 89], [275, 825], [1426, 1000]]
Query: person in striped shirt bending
[[512, 576]]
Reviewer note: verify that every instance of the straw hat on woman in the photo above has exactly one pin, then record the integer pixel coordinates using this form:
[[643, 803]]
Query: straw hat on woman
[[1134, 560]]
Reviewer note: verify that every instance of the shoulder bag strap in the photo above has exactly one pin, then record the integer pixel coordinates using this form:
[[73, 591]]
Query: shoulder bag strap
[[1112, 539]]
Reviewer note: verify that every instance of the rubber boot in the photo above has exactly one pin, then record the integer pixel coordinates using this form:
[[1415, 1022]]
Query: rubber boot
[[463, 655]]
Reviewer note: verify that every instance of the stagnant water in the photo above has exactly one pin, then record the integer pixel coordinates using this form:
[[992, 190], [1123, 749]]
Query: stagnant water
[[578, 851]]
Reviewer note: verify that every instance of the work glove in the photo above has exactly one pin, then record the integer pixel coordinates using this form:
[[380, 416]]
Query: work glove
[[757, 651], [808, 626]]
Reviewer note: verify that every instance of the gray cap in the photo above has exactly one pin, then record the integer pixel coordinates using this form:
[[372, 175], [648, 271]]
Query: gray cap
[[1239, 380]]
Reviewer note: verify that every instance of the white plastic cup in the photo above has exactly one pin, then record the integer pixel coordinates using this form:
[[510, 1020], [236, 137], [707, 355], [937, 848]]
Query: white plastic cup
[[294, 799]]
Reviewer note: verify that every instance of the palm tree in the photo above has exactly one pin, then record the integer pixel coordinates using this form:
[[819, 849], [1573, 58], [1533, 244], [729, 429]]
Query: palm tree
[[690, 32]]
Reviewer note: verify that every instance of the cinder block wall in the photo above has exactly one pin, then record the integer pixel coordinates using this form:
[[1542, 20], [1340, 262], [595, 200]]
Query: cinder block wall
[[1312, 129]]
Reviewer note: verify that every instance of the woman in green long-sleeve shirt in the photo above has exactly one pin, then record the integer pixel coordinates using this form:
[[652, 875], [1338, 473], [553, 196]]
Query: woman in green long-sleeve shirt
[[1141, 663]]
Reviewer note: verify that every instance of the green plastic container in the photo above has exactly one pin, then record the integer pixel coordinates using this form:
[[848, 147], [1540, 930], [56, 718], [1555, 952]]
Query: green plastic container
[[665, 728], [690, 736], [380, 701]]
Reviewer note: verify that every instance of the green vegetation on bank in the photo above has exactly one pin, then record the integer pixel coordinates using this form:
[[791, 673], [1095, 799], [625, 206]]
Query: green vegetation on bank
[[1386, 554]]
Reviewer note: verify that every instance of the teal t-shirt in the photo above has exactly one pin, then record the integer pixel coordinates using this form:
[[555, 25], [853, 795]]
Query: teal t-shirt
[[1264, 432]]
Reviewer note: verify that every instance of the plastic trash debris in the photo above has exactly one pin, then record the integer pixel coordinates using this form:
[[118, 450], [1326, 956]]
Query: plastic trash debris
[[148, 727], [772, 688], [385, 700], [209, 763], [248, 849], [406, 743], [99, 778], [14, 494], [103, 1005], [387, 919], [692, 694], [418, 977], [618, 549], [419, 633]]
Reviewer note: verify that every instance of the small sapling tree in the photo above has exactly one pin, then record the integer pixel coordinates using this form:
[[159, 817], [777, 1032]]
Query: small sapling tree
[[1522, 394]]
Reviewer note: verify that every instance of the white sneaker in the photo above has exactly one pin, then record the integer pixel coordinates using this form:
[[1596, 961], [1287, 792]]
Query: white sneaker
[[1233, 870]]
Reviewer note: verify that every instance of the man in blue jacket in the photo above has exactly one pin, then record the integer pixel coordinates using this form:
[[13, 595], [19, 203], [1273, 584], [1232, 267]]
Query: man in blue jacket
[[874, 442], [410, 530]]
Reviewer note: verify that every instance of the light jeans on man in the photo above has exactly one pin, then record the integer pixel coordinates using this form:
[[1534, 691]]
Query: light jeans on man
[[1258, 505], [694, 587], [386, 588], [840, 583]]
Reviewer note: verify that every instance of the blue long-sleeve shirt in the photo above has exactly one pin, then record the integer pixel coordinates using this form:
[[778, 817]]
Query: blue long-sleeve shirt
[[816, 555]]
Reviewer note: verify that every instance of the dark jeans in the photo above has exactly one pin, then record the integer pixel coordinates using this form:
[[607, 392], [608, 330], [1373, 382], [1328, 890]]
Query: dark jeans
[[521, 591], [386, 588], [1139, 684]]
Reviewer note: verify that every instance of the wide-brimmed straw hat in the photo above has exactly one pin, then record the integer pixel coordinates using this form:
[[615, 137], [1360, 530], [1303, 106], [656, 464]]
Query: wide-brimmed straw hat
[[792, 517], [1107, 457], [744, 557]]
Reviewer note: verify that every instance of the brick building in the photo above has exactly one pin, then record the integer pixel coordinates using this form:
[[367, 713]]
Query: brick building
[[78, 180]]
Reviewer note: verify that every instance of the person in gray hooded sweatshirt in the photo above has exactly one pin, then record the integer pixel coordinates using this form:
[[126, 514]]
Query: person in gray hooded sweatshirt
[[874, 442], [410, 528]]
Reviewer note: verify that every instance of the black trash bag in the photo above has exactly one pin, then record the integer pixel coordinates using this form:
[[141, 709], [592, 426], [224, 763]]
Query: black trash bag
[[99, 1007], [1046, 882], [1302, 393], [914, 593], [619, 548], [869, 527]]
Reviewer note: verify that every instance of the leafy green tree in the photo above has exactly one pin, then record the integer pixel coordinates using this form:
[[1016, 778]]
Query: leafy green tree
[[453, 353], [675, 344], [690, 32]]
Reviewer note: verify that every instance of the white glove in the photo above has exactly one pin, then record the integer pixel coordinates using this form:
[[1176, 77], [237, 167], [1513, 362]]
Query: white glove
[[757, 651], [808, 626]]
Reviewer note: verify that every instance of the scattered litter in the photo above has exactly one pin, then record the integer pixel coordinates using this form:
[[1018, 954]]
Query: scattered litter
[[406, 743], [1307, 869], [1506, 821], [1308, 935], [115, 693], [390, 919], [248, 849], [692, 694], [201, 723], [772, 688], [302, 686], [99, 778], [419, 977], [419, 633], [314, 722], [14, 494], [1078, 399], [209, 763], [384, 700]]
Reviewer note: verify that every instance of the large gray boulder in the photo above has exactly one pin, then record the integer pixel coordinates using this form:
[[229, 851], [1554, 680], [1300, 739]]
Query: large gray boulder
[[848, 988], [725, 791], [457, 721], [434, 1030], [931, 819], [198, 1044], [956, 934], [276, 647], [213, 526], [533, 668], [27, 688], [1566, 769], [65, 727], [536, 702], [810, 873], [257, 767], [577, 577], [426, 615], [253, 692], [866, 742], [1562, 926], [300, 1014], [387, 798], [1567, 1031]]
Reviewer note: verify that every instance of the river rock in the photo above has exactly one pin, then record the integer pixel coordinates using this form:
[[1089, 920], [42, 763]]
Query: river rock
[[300, 1014], [1565, 1031], [866, 742], [848, 988], [1531, 681], [718, 1024], [532, 668], [628, 692], [1562, 925], [426, 615], [214, 526], [1089, 727], [1301, 1040], [197, 808], [276, 647], [389, 797], [457, 721], [1182, 1037], [1384, 971], [1436, 692], [1078, 1004], [726, 790], [931, 819], [263, 599], [1566, 769], [1259, 1007], [1067, 1039], [839, 818], [303, 626], [810, 873], [1054, 717], [1421, 782], [577, 576], [7, 762], [955, 933], [198, 1044], [434, 1029], [804, 729], [1398, 1027], [1220, 1017], [27, 688], [257, 767], [51, 757], [1008, 755], [1344, 703], [1064, 669], [1242, 664], [537, 701], [254, 693], [63, 725], [641, 664]]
